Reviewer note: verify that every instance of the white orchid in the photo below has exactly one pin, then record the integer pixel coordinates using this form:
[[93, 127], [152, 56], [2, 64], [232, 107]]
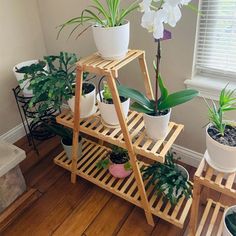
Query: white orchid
[[167, 12]]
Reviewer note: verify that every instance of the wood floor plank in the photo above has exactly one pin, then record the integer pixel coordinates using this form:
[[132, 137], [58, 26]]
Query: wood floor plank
[[111, 218], [136, 224], [84, 214], [50, 210]]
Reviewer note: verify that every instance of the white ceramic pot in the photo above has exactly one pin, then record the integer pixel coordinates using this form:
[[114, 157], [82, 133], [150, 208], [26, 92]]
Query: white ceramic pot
[[19, 76], [219, 156], [108, 111], [157, 126], [68, 149], [87, 104], [226, 232], [112, 43], [185, 172]]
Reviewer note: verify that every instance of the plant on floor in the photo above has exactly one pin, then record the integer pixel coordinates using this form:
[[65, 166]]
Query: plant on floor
[[230, 221], [168, 180], [106, 15], [53, 85]]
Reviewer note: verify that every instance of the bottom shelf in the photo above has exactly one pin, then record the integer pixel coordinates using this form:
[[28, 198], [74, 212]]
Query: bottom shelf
[[124, 188], [211, 221]]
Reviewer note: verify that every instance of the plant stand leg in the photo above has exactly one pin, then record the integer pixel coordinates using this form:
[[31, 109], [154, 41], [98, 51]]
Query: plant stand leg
[[78, 92], [147, 82], [194, 210], [132, 155]]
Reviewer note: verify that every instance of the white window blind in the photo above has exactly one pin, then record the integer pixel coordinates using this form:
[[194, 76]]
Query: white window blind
[[216, 44]]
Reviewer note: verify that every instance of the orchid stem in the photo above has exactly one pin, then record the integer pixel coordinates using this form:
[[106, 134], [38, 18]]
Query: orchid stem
[[157, 74]]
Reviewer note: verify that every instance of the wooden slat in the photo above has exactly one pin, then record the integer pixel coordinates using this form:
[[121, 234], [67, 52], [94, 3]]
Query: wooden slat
[[213, 219]]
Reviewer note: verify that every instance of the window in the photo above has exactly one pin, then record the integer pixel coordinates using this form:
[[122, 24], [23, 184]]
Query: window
[[216, 42]]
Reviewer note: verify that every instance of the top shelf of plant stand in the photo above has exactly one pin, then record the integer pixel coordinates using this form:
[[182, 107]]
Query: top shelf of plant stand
[[97, 65], [221, 182], [154, 150]]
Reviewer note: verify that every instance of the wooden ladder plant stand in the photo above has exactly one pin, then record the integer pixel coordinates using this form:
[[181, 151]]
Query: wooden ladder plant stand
[[130, 135], [210, 223]]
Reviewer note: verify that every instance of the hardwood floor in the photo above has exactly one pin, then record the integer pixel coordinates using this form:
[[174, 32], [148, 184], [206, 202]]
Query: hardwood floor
[[80, 209]]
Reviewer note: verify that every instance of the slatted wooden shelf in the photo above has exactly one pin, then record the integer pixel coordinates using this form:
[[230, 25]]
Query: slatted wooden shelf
[[221, 182], [97, 65], [211, 223], [124, 188], [154, 150]]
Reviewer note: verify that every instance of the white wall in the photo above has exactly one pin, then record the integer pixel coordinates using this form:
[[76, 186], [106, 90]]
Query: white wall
[[21, 39]]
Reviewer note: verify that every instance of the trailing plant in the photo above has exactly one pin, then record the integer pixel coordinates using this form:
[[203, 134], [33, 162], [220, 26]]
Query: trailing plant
[[227, 102], [117, 156], [108, 14], [168, 180], [230, 221], [53, 85]]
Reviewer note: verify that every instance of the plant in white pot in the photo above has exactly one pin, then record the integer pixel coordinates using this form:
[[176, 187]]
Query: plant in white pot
[[87, 100], [221, 134], [229, 219], [107, 107], [157, 111], [169, 179], [117, 163], [111, 30], [66, 137]]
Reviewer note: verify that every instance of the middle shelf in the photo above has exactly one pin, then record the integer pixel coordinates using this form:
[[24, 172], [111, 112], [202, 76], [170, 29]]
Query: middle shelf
[[154, 150], [124, 188]]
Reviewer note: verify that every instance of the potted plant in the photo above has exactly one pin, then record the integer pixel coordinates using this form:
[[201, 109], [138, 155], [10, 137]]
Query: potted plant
[[229, 218], [118, 163], [169, 179], [66, 137], [107, 107], [111, 30], [87, 100], [55, 85], [221, 134], [24, 84]]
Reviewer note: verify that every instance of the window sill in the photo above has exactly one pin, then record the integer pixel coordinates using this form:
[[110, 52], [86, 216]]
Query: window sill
[[209, 87]]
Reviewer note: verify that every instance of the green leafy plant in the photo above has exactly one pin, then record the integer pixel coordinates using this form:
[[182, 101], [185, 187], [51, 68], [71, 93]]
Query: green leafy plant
[[227, 102], [53, 85], [168, 180], [230, 221], [59, 130], [106, 92], [106, 15], [165, 102], [117, 156]]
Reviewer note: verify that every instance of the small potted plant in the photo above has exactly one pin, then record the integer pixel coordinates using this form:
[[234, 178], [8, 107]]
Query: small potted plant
[[66, 137], [87, 100], [229, 218], [24, 84], [118, 163], [221, 134], [169, 179], [107, 107], [111, 30]]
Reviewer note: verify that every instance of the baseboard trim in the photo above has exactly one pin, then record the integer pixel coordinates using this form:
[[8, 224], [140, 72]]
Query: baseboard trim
[[186, 155]]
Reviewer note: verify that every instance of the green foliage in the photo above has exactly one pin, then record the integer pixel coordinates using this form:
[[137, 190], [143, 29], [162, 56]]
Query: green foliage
[[230, 221], [106, 93], [53, 85], [227, 102], [109, 14], [118, 155], [168, 180], [165, 102]]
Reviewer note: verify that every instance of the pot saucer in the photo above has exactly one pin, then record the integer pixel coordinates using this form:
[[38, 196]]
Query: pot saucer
[[209, 161], [109, 126]]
